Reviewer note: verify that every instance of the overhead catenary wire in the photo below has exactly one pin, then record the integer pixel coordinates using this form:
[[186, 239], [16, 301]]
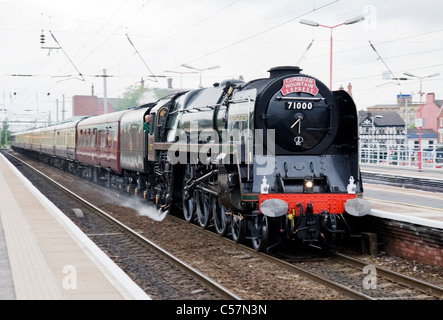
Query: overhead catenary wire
[[116, 30], [409, 40], [47, 84], [304, 53], [381, 59], [192, 25], [196, 23], [61, 48], [263, 31], [143, 60]]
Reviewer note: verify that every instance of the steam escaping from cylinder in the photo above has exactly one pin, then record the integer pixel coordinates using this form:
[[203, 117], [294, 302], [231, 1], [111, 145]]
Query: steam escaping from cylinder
[[146, 209]]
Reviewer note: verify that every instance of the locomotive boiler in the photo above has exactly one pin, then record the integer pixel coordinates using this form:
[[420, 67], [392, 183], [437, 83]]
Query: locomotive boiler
[[268, 160]]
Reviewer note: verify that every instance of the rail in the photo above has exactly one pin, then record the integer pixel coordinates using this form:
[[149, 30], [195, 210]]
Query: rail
[[425, 287], [215, 286]]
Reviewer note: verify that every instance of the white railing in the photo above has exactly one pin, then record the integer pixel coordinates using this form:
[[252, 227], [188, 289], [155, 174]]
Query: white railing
[[400, 155]]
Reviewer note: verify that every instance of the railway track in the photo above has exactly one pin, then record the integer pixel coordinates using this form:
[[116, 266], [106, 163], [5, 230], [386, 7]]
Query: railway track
[[287, 265], [373, 282], [348, 275], [341, 273], [427, 290], [178, 279]]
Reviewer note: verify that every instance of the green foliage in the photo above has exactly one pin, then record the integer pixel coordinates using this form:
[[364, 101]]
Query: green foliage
[[8, 134], [130, 97], [161, 93]]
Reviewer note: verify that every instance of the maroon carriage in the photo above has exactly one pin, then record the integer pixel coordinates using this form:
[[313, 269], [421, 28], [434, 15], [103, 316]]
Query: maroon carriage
[[98, 143]]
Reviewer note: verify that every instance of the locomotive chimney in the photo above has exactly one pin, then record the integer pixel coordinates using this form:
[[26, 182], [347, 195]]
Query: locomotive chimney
[[350, 89], [283, 71]]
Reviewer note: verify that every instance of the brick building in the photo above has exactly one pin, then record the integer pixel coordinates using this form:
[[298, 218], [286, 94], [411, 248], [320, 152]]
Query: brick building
[[430, 111], [403, 102], [381, 127], [440, 127], [91, 105]]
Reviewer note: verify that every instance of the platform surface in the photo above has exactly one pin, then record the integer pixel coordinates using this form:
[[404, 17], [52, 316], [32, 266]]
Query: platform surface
[[395, 209], [403, 171], [45, 256]]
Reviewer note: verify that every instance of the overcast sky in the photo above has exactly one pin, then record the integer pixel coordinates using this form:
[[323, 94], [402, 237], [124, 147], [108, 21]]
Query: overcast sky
[[243, 37]]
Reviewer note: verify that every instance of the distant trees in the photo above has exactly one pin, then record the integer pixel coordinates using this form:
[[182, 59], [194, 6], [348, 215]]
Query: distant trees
[[131, 97], [5, 131]]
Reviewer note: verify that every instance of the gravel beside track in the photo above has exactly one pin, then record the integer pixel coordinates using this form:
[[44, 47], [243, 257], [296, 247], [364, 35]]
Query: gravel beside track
[[384, 285]]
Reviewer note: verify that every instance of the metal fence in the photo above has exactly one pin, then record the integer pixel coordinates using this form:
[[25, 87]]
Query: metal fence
[[401, 155]]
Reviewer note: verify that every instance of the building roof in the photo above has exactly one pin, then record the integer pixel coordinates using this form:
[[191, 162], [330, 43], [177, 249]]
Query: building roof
[[425, 133], [382, 118], [384, 106], [439, 103]]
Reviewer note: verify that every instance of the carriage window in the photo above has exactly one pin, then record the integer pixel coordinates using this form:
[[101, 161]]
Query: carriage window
[[110, 139]]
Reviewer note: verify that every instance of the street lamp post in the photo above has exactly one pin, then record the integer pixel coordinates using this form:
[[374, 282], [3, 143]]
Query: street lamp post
[[374, 143], [419, 112], [200, 70], [316, 24]]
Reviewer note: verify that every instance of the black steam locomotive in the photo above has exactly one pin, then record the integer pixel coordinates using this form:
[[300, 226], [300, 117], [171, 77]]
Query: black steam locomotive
[[271, 159]]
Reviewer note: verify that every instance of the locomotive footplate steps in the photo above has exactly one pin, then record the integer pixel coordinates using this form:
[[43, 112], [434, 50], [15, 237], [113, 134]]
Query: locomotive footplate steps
[[308, 225]]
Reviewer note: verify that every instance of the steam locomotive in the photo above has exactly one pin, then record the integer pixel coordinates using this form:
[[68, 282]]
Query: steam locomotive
[[269, 160]]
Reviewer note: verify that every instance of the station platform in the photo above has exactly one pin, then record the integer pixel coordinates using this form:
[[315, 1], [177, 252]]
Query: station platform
[[45, 256], [412, 172], [396, 208], [417, 216]]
